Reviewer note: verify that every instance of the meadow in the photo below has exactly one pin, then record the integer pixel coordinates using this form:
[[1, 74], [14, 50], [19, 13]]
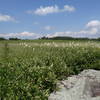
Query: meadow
[[30, 69]]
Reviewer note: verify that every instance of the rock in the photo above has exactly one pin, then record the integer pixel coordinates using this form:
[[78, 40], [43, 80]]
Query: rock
[[85, 86]]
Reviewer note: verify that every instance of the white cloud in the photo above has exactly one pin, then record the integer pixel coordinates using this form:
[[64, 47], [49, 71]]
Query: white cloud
[[69, 8], [47, 10], [48, 28], [93, 23], [6, 18], [24, 34], [92, 30], [81, 33], [51, 9]]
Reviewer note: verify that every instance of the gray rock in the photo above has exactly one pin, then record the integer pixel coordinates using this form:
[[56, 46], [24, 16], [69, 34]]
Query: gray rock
[[85, 86]]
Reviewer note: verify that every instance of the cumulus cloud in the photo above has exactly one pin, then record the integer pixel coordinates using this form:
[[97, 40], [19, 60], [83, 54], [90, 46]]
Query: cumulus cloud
[[92, 30], [6, 18], [51, 9], [22, 35], [93, 23], [81, 33]]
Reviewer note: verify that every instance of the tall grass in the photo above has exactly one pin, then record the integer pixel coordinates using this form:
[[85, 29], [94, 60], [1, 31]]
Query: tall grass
[[31, 69]]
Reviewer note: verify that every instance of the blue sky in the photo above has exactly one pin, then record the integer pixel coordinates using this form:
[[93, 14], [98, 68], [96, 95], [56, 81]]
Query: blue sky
[[37, 18]]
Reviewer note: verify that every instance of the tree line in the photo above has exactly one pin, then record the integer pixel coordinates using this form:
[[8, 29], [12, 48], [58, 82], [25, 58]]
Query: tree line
[[68, 38], [54, 38], [1, 38]]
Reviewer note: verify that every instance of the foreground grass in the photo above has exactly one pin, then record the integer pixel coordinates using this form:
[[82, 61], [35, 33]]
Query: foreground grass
[[31, 69]]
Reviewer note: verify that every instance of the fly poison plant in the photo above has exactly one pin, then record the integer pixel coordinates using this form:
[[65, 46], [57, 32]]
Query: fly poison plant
[[29, 70]]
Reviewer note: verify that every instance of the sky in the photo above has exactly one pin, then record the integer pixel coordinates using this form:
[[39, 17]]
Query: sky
[[30, 19]]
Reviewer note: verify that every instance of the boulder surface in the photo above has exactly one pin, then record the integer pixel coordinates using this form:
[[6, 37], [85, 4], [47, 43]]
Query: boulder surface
[[85, 86]]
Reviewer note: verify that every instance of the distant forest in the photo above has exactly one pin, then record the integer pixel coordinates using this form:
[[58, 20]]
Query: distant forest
[[54, 38], [68, 38]]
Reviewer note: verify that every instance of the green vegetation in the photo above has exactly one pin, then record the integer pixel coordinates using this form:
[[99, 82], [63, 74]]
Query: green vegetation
[[2, 38], [30, 69], [68, 38]]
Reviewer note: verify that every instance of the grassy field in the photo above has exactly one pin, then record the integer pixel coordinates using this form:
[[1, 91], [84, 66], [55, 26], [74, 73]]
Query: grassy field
[[29, 70]]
